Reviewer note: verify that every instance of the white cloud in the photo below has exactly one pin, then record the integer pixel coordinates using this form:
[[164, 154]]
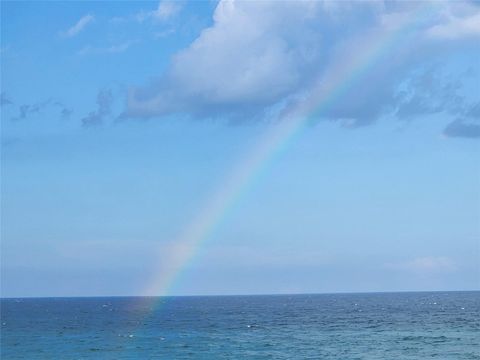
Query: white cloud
[[165, 10], [262, 54], [250, 55], [79, 26], [455, 27], [113, 49], [103, 110], [427, 264], [164, 33]]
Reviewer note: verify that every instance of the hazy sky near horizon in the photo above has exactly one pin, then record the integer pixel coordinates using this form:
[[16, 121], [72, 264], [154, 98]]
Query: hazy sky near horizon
[[120, 120]]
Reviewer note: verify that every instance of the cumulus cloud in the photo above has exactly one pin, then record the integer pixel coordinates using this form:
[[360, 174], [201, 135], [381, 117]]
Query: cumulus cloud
[[262, 55], [104, 104], [78, 27], [248, 58]]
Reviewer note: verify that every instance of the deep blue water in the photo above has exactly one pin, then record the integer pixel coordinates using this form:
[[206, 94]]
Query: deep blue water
[[440, 325]]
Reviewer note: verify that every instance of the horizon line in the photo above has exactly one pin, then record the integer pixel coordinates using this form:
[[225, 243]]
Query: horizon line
[[239, 295]]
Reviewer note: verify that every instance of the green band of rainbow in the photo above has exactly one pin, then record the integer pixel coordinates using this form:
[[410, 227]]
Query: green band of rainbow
[[330, 88]]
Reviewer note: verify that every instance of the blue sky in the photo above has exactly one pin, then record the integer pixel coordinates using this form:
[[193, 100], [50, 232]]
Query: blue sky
[[120, 121]]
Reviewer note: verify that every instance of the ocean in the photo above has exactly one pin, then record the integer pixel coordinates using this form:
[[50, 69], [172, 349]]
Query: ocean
[[429, 325]]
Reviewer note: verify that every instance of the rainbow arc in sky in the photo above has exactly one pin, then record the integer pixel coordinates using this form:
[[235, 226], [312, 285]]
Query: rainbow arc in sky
[[329, 89]]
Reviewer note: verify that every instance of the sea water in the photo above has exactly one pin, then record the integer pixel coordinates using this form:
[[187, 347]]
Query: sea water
[[436, 325]]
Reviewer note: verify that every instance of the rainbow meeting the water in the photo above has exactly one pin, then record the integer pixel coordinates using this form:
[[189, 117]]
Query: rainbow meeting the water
[[329, 89], [240, 179]]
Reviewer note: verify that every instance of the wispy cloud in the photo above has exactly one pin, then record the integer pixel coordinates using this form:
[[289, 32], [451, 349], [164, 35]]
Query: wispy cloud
[[65, 111], [104, 104], [164, 33], [462, 128], [9, 141], [27, 110], [455, 27], [78, 27], [466, 126], [4, 100], [165, 10], [5, 50], [426, 264], [112, 49]]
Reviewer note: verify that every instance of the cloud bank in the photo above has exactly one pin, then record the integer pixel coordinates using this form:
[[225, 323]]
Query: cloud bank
[[259, 56]]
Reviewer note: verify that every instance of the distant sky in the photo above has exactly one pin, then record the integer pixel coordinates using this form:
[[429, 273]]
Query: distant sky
[[121, 120]]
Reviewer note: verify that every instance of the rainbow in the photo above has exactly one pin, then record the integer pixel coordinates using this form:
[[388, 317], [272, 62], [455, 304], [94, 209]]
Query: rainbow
[[328, 89]]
